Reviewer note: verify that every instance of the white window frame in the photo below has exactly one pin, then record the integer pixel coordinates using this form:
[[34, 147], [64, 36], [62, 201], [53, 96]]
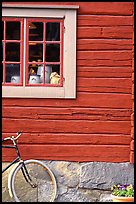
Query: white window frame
[[68, 13]]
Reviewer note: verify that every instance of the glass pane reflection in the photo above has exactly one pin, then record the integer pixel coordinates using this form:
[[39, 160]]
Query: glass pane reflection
[[12, 30], [13, 73], [52, 53], [35, 52], [13, 52], [52, 31], [35, 31]]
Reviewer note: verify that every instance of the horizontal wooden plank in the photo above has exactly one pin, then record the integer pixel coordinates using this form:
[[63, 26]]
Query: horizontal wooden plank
[[53, 138], [132, 132], [104, 62], [66, 126], [114, 8], [115, 85], [66, 113], [103, 90], [132, 145], [103, 153], [132, 157], [105, 55], [116, 32], [93, 100], [104, 72], [104, 44], [104, 20], [104, 58]]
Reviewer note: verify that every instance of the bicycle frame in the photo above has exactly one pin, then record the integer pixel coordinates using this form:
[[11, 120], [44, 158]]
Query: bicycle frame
[[18, 159]]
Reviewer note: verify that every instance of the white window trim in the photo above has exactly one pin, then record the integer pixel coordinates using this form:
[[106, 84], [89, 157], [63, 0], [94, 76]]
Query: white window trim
[[69, 53]]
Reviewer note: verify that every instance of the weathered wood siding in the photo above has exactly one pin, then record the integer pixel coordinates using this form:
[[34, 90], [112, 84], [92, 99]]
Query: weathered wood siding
[[96, 126]]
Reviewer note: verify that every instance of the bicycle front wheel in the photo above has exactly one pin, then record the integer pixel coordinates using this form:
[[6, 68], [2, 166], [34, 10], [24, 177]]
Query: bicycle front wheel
[[44, 186]]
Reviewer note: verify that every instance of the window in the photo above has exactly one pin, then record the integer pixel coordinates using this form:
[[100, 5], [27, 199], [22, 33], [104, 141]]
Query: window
[[39, 52], [12, 45]]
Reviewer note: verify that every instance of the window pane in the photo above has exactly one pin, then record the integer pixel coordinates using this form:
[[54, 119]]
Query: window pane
[[35, 52], [12, 73], [55, 75], [13, 52], [44, 73], [52, 31], [12, 30], [33, 77], [35, 31], [52, 53]]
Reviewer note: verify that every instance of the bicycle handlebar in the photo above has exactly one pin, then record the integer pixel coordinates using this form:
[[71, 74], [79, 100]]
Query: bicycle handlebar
[[12, 137]]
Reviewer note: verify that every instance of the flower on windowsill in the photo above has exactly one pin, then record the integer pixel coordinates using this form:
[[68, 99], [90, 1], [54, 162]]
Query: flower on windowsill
[[126, 190]]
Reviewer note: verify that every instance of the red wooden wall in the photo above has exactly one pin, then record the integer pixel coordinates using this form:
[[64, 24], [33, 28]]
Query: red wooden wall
[[97, 125]]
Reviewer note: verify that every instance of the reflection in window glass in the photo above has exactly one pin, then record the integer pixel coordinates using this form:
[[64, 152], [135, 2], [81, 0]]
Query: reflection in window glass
[[13, 52], [35, 31], [52, 53], [35, 52], [12, 30], [13, 73], [52, 31]]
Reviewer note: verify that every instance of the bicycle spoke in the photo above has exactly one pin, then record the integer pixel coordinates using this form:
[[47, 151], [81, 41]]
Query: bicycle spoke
[[35, 185]]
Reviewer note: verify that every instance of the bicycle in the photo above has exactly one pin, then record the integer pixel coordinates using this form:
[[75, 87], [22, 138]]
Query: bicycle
[[29, 180]]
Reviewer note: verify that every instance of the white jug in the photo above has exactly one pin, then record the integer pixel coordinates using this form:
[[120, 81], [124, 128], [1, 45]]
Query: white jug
[[15, 79], [48, 70], [34, 79]]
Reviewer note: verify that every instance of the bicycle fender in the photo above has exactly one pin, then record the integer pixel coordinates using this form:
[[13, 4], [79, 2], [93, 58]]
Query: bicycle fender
[[10, 178]]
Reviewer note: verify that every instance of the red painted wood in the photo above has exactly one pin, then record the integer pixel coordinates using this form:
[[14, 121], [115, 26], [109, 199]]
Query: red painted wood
[[132, 133], [132, 145], [66, 113], [104, 44], [105, 84], [105, 20], [93, 100], [118, 153], [132, 157], [69, 138], [66, 126], [104, 72], [105, 55], [96, 126], [104, 58], [113, 32]]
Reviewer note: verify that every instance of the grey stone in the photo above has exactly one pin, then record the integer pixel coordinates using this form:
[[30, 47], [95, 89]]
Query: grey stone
[[105, 198], [102, 175], [82, 182], [73, 195]]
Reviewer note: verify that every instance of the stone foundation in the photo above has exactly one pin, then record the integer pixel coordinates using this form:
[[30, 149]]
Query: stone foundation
[[84, 182]]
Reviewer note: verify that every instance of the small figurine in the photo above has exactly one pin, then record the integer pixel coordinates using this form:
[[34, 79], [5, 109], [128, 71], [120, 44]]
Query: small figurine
[[32, 72], [54, 78]]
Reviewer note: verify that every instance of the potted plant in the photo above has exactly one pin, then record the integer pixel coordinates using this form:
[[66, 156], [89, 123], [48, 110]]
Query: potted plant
[[123, 193]]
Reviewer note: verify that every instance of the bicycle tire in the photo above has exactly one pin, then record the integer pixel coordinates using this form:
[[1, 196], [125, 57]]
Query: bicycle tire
[[41, 175]]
